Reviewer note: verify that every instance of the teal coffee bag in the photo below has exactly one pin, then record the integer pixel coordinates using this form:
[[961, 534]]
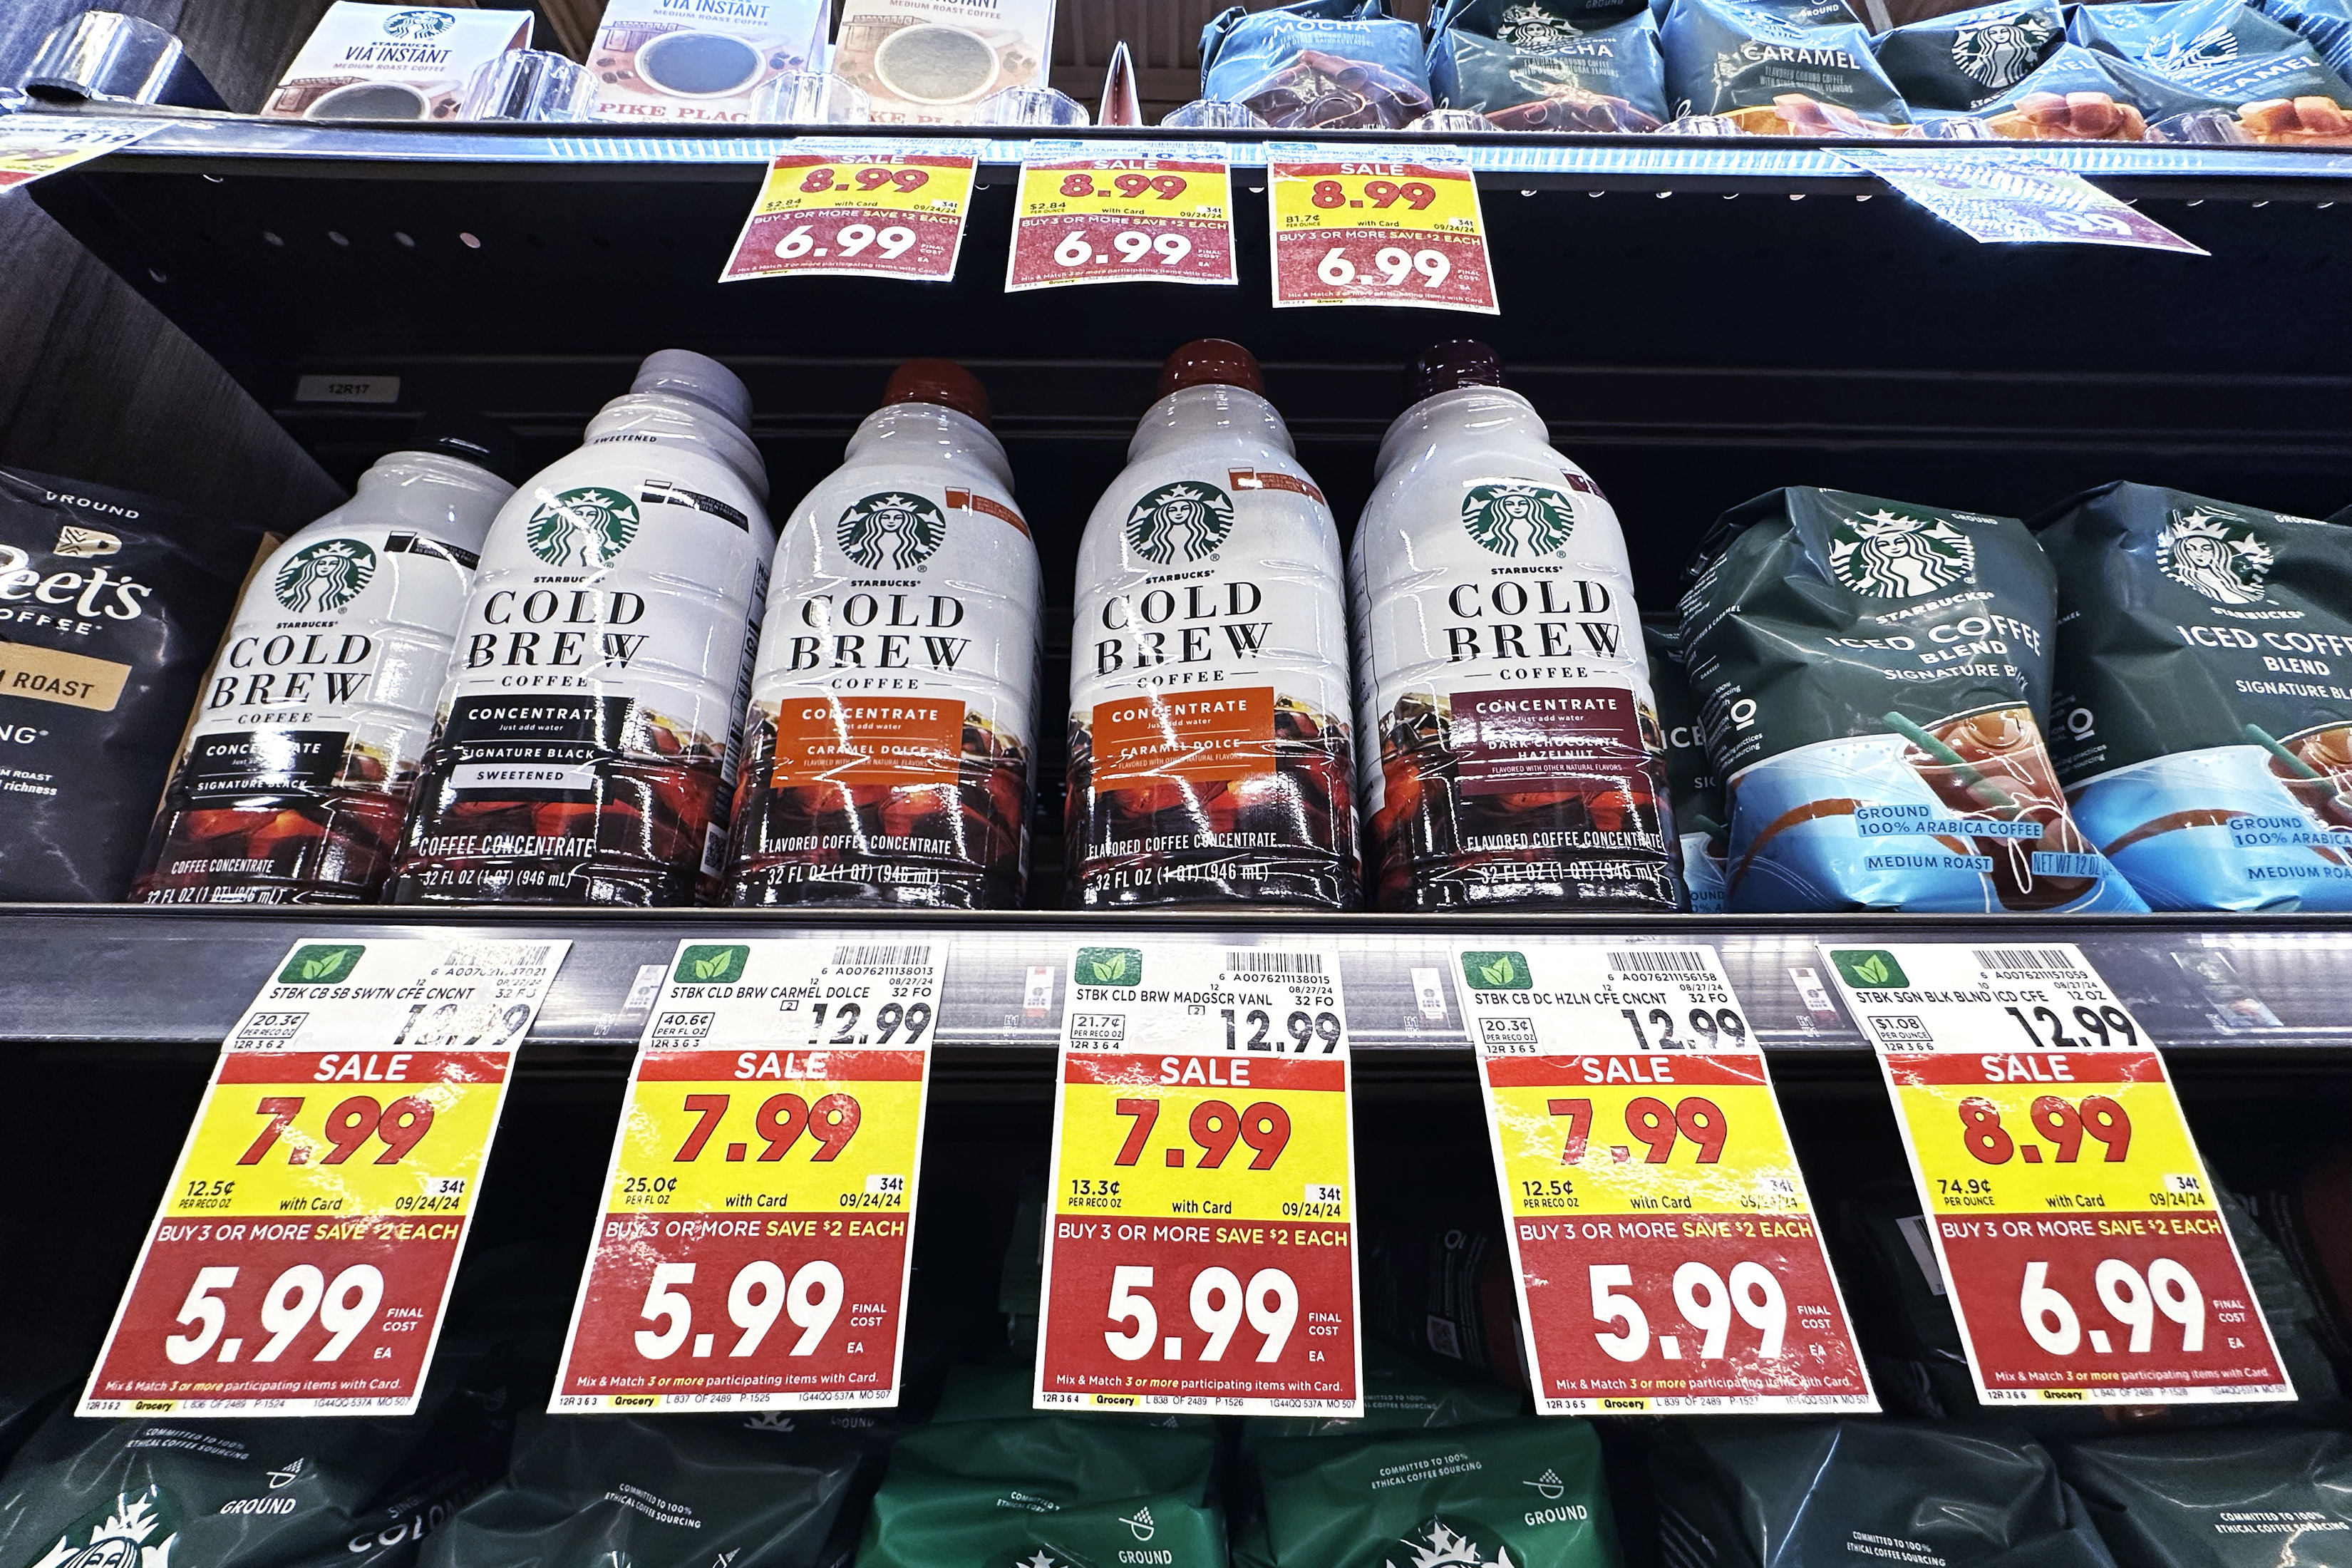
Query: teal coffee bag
[[2249, 1499], [1701, 819]]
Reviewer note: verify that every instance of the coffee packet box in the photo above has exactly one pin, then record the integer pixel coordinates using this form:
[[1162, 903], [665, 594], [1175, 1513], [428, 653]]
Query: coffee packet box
[[393, 62], [934, 62], [697, 62]]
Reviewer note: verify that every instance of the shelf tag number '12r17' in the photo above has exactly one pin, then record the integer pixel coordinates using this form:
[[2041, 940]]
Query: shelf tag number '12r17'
[[760, 1208], [2075, 1224], [858, 209], [1666, 1252], [1377, 226], [301, 1259], [1200, 1242]]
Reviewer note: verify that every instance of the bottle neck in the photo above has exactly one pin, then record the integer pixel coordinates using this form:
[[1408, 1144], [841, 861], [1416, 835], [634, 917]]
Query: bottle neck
[[664, 419], [926, 435], [444, 499], [1468, 415], [1212, 412]]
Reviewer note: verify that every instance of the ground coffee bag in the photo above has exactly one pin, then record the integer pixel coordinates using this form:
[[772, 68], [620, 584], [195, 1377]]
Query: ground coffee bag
[[1969, 57], [1700, 816], [1870, 675], [2220, 1500], [1345, 64], [1550, 65], [110, 606], [1742, 60], [2204, 718]]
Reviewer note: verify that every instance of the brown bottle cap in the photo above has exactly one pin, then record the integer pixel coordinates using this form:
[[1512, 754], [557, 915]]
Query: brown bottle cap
[[1211, 362], [1443, 367], [940, 381]]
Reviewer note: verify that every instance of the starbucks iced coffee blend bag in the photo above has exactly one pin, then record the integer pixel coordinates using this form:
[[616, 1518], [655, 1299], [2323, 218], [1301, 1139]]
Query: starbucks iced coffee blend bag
[[891, 748], [1210, 758], [588, 727], [1500, 666], [1870, 676], [2203, 715], [294, 779]]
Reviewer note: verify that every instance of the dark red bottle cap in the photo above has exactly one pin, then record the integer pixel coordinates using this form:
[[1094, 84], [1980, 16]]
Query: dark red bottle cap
[[940, 381], [1443, 367], [1211, 362]]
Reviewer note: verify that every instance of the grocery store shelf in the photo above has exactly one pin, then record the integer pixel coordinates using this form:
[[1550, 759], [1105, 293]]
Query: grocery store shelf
[[174, 980]]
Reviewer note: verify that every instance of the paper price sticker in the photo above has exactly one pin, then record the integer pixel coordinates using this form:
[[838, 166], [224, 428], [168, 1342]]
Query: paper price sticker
[[34, 146], [1199, 1246], [1666, 1253], [302, 1255], [760, 1206], [1377, 226], [858, 209], [2071, 1215], [1121, 213]]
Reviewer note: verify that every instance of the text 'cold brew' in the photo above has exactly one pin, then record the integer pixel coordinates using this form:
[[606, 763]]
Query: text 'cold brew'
[[589, 726], [1210, 758], [893, 748]]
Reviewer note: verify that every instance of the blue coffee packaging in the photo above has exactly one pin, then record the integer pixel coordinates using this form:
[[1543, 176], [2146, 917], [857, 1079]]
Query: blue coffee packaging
[[1329, 64], [1779, 70], [1550, 65], [1969, 57]]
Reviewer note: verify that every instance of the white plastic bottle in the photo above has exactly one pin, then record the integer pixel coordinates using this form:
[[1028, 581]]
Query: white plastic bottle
[[592, 717], [1512, 752], [891, 752], [1210, 756], [293, 781]]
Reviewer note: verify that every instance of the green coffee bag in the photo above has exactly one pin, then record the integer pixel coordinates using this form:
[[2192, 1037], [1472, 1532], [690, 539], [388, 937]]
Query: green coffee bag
[[2220, 1499]]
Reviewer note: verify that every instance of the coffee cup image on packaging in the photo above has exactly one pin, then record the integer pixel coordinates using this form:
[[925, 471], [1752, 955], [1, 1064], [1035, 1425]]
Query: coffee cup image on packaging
[[934, 60], [936, 64], [387, 62], [689, 60]]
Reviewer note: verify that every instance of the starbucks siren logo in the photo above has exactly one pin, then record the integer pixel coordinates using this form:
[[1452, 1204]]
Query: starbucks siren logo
[[1889, 556], [2197, 550], [586, 528], [2215, 45], [322, 578], [1447, 1548], [120, 1542], [891, 533], [2000, 52], [414, 26], [1532, 30], [1512, 517], [1179, 522]]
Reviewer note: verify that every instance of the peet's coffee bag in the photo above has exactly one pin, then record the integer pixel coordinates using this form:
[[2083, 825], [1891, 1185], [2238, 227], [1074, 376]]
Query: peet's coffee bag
[[1870, 675], [1776, 68], [1790, 1494], [2220, 1500], [1550, 65], [1341, 64], [110, 606], [1700, 816], [2203, 720], [1969, 57]]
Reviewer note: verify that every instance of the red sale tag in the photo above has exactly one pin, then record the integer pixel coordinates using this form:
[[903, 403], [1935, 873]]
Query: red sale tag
[[1200, 1247], [858, 209], [2071, 1214], [760, 1206], [1666, 1253], [1121, 213], [305, 1250], [1377, 226]]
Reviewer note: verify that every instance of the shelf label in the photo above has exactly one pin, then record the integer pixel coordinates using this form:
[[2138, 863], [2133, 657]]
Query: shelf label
[[2072, 1216], [1667, 1256], [1377, 226], [302, 1258], [859, 209], [1201, 1244], [760, 1206], [1121, 213], [35, 145], [1996, 198]]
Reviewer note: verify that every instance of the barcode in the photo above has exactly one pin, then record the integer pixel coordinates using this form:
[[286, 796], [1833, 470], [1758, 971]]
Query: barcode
[[2032, 960], [868, 955], [496, 956], [1656, 961], [1254, 960]]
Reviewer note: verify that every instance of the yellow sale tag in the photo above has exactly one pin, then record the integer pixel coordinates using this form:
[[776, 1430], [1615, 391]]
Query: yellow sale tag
[[887, 181], [2042, 1142], [861, 209], [1267, 1141], [1124, 189], [33, 145], [1709, 1139], [694, 1143], [1404, 197], [1377, 226]]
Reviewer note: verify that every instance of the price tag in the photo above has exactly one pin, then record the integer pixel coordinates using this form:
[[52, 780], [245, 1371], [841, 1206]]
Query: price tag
[[301, 1261], [2072, 1216], [1666, 1252], [1121, 213], [859, 209], [1200, 1247], [1377, 226], [1995, 199], [33, 145], [760, 1206]]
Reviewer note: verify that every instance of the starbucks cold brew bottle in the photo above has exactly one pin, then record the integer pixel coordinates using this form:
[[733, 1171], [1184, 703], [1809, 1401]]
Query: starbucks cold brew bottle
[[588, 732], [295, 772], [1209, 759], [1512, 752], [891, 746]]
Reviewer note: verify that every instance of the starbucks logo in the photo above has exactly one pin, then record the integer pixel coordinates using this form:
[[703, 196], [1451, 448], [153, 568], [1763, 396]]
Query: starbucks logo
[[1890, 556], [586, 528], [118, 1538], [1512, 517], [2213, 47], [1532, 30], [1770, 23], [415, 25], [2002, 51], [1179, 522], [893, 531], [2198, 549], [322, 578], [1441, 1546]]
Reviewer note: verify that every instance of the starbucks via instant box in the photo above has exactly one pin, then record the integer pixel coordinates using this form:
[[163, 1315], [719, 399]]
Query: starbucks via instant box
[[393, 62], [932, 62], [697, 61]]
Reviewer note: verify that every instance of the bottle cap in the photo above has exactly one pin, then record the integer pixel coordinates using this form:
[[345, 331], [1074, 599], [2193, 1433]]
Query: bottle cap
[[469, 438], [1211, 362], [940, 381], [1443, 367], [682, 373]]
